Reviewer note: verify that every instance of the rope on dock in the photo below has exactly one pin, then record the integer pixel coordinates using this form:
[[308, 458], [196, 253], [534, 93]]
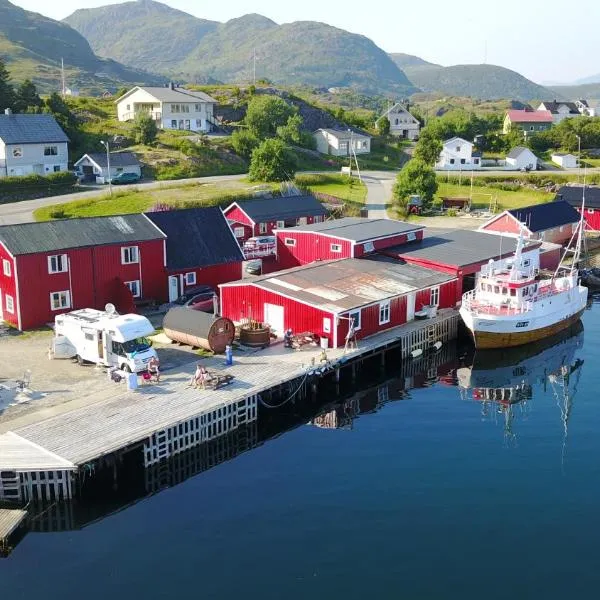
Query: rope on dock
[[287, 399]]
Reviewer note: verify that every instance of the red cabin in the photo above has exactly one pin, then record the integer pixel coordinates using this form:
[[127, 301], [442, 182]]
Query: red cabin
[[58, 266], [376, 293], [350, 237], [201, 249], [573, 194], [252, 218]]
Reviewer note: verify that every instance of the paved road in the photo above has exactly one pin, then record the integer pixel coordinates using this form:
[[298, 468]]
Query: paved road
[[379, 191]]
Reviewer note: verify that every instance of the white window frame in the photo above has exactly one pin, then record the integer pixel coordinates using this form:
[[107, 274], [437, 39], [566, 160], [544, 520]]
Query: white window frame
[[63, 259], [411, 236], [368, 247], [318, 219], [190, 278], [48, 150], [280, 224], [239, 232], [9, 302], [17, 152], [290, 241], [136, 285], [335, 248], [61, 294], [434, 296], [384, 312], [302, 220], [262, 228], [126, 252], [326, 324], [6, 267], [358, 320]]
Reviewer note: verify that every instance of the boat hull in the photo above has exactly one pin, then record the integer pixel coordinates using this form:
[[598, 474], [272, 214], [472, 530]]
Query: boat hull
[[490, 339]]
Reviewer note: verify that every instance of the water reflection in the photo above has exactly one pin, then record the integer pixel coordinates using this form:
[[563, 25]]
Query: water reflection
[[505, 382]]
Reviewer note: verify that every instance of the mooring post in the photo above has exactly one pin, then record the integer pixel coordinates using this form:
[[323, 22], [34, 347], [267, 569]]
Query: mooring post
[[337, 375], [353, 367]]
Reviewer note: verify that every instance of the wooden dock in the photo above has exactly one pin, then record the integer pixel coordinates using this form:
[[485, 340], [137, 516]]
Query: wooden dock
[[172, 417], [10, 519]]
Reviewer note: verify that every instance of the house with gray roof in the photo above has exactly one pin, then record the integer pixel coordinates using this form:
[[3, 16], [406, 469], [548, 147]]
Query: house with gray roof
[[338, 142], [560, 110], [93, 167], [521, 158], [31, 144], [172, 107]]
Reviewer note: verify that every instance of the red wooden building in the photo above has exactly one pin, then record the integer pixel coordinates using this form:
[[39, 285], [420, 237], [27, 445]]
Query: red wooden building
[[553, 222], [377, 293], [573, 194], [201, 249], [350, 237], [58, 266], [251, 218]]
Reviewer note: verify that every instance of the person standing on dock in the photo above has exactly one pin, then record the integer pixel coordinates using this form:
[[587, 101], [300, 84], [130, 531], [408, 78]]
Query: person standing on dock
[[350, 337]]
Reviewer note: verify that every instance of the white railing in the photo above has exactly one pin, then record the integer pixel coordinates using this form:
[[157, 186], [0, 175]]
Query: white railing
[[131, 115], [471, 303]]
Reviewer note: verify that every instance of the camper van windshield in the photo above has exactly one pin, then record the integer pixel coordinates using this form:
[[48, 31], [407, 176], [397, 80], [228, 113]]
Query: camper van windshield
[[138, 345]]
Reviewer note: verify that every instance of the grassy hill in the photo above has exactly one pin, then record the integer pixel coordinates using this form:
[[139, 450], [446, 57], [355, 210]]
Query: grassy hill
[[410, 60], [33, 45], [191, 49], [588, 91]]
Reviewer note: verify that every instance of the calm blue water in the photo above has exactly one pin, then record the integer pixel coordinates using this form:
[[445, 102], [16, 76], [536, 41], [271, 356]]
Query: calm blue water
[[433, 496]]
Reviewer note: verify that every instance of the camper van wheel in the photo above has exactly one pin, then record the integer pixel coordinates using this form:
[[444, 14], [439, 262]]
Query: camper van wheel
[[126, 368], [79, 360]]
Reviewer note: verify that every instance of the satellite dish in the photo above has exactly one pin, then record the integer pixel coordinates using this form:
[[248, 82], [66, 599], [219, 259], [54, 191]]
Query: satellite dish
[[110, 309]]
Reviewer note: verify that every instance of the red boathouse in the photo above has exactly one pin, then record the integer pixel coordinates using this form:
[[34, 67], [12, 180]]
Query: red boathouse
[[573, 194]]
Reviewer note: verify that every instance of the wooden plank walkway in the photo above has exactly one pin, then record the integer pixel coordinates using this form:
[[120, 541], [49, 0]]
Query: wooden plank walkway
[[87, 433], [10, 519]]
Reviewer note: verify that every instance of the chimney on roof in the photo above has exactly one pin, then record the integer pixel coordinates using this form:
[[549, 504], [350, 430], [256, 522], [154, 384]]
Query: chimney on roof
[[7, 111], [172, 85]]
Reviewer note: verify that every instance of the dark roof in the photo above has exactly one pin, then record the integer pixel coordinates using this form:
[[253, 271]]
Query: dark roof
[[517, 151], [197, 237], [281, 208], [358, 229], [553, 106], [459, 248], [342, 285], [30, 129], [540, 217], [30, 238], [573, 194], [117, 159]]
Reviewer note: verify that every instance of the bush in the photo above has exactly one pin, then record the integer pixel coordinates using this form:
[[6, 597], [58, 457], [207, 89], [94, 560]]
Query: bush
[[272, 161], [265, 114], [244, 142], [62, 178]]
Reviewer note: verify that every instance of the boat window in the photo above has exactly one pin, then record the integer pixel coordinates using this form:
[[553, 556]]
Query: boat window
[[535, 287], [489, 288], [513, 292], [525, 292], [496, 289], [504, 291]]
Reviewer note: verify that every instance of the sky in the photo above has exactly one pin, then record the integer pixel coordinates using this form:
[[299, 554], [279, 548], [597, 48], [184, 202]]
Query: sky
[[548, 41]]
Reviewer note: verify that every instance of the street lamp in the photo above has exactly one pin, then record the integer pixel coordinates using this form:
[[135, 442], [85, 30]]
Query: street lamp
[[107, 146]]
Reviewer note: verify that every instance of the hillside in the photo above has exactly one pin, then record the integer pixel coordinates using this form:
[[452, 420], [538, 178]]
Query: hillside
[[180, 45], [33, 45], [151, 44], [410, 60], [590, 91], [488, 82], [591, 79]]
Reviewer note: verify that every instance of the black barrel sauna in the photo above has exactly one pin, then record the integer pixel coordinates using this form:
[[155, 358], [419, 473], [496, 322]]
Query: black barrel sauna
[[197, 328]]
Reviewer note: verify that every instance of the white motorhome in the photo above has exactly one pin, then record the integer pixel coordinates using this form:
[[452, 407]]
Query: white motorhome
[[105, 338]]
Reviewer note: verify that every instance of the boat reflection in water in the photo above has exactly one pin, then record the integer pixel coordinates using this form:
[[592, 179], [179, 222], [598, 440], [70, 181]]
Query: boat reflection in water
[[503, 381]]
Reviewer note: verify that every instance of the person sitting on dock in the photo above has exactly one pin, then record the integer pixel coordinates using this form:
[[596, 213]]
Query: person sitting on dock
[[200, 377], [153, 368]]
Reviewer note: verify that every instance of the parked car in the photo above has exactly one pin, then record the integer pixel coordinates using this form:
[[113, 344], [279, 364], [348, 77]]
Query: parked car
[[122, 178], [254, 267], [198, 298], [263, 243]]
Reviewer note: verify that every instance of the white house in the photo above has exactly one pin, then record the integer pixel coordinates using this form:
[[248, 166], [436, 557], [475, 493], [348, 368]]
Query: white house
[[584, 108], [31, 144], [521, 158], [560, 110], [338, 143], [566, 161], [171, 107], [457, 155], [94, 166], [402, 123]]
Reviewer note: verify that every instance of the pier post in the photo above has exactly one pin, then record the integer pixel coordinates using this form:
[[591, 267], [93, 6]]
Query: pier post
[[337, 375]]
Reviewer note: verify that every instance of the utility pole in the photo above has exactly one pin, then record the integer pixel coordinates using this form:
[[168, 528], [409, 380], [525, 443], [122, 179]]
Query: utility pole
[[254, 68], [62, 77], [107, 146]]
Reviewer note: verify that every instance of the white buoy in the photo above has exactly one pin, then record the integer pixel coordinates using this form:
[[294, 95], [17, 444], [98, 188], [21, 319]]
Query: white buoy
[[437, 345], [416, 353]]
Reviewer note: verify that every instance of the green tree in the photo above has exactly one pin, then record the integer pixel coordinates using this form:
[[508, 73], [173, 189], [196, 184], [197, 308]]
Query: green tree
[[428, 147], [244, 142], [144, 128], [416, 177], [7, 92], [265, 114], [290, 133], [27, 97], [272, 161], [383, 125], [122, 91]]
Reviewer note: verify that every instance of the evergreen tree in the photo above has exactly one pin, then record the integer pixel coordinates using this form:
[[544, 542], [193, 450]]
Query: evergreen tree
[[27, 97], [7, 92]]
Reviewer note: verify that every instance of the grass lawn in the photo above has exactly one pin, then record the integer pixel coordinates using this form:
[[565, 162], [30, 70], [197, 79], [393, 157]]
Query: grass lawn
[[482, 196], [340, 186], [591, 162]]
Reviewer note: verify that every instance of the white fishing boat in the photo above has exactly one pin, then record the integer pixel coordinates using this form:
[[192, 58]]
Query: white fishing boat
[[511, 305]]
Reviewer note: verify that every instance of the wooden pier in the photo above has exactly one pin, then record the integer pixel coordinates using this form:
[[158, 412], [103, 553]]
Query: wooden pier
[[172, 417], [10, 520]]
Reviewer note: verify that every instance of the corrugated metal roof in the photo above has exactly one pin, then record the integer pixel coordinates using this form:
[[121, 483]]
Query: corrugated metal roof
[[29, 238], [530, 116], [31, 129], [281, 208], [350, 283], [573, 194], [197, 237], [117, 159], [359, 229], [540, 217], [178, 94]]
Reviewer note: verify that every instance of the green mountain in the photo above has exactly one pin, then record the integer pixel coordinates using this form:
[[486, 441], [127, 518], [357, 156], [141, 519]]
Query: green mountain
[[150, 35], [589, 91], [33, 45], [487, 82]]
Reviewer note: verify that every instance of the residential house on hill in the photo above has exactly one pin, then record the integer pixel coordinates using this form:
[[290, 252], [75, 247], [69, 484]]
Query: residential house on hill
[[93, 167], [529, 121], [171, 107], [551, 222], [574, 195], [341, 142], [200, 248], [457, 155], [521, 158], [251, 218], [584, 108], [31, 144], [560, 110], [402, 123]]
